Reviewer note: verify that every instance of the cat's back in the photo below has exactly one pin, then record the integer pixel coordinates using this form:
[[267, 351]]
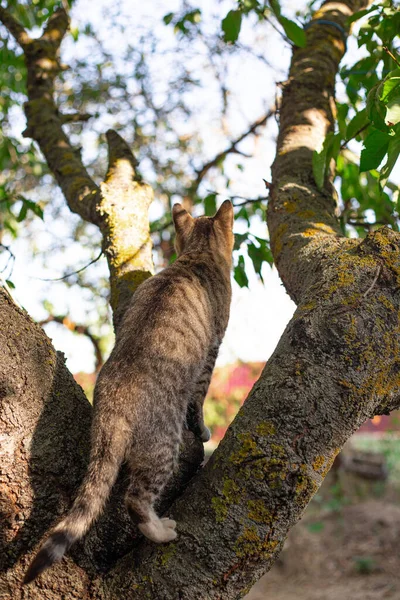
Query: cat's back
[[170, 314]]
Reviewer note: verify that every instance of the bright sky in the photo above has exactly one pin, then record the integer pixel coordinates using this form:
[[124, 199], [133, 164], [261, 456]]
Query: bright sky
[[258, 314]]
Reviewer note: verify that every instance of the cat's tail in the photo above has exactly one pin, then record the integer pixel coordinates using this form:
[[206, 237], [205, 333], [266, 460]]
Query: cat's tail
[[106, 459]]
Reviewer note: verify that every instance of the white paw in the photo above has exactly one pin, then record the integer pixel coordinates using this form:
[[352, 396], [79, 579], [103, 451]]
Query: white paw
[[159, 530], [205, 434]]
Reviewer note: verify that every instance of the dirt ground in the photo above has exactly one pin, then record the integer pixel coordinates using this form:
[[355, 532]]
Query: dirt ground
[[347, 547]]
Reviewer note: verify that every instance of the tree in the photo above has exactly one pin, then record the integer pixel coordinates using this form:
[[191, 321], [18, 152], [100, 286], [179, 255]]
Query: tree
[[336, 364]]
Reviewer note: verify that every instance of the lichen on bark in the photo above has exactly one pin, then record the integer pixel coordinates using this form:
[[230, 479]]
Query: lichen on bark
[[337, 363]]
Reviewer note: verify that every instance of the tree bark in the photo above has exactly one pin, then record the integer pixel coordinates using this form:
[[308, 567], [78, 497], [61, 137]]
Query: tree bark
[[44, 448], [336, 365]]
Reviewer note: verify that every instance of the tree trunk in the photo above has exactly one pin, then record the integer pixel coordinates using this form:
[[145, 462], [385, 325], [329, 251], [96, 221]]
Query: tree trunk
[[336, 365], [44, 448]]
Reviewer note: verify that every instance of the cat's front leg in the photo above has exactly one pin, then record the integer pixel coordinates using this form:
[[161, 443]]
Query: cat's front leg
[[194, 416], [195, 421]]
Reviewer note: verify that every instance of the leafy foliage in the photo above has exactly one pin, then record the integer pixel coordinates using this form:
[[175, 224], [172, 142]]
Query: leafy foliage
[[370, 115], [156, 106]]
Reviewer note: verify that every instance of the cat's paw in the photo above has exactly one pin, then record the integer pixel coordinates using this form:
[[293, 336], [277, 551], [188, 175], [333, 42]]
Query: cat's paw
[[159, 531], [205, 434]]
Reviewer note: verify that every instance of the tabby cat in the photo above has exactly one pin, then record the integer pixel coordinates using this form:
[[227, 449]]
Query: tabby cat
[[154, 382]]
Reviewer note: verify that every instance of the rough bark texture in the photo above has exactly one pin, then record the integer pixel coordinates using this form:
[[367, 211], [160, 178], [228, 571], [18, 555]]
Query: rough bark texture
[[337, 364], [44, 447]]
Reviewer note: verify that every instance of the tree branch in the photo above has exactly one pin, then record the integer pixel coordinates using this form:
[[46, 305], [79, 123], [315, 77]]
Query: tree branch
[[15, 28], [301, 219], [44, 123], [119, 207], [336, 365], [232, 148], [81, 329], [124, 202], [74, 117]]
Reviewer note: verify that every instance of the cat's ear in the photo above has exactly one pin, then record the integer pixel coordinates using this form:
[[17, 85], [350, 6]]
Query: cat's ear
[[183, 221], [225, 214]]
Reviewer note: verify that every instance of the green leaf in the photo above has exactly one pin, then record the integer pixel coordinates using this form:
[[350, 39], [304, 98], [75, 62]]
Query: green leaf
[[333, 150], [276, 8], [393, 111], [239, 239], [391, 82], [28, 204], [376, 109], [239, 273], [359, 14], [295, 33], [319, 161], [257, 257], [375, 147], [7, 225], [168, 18], [22, 212], [10, 284], [243, 214], [393, 155], [359, 121], [210, 205], [74, 33], [231, 25]]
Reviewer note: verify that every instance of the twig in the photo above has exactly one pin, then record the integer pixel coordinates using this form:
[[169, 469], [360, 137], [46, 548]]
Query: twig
[[374, 281], [283, 36], [162, 226], [392, 56], [81, 329], [15, 28], [231, 148], [74, 117], [355, 135], [248, 200], [365, 223], [73, 272], [11, 257], [245, 200]]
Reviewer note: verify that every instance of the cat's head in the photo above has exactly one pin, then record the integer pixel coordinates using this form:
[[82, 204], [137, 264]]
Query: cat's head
[[204, 233]]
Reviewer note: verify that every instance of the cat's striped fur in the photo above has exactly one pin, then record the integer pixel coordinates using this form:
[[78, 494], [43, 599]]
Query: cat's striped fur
[[154, 381]]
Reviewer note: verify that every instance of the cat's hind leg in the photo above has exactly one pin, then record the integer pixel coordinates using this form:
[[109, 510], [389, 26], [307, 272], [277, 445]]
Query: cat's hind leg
[[143, 491]]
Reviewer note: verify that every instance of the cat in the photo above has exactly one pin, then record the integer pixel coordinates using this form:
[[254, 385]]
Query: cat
[[154, 382]]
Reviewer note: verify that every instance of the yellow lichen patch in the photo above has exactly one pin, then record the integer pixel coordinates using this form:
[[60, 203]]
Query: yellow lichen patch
[[276, 239], [259, 512], [305, 485], [298, 369], [277, 451], [386, 302], [251, 544], [329, 462], [319, 461], [309, 232], [345, 278], [265, 428], [230, 495], [324, 227], [165, 553], [220, 508], [247, 449], [306, 214], [290, 206], [127, 283], [308, 306]]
